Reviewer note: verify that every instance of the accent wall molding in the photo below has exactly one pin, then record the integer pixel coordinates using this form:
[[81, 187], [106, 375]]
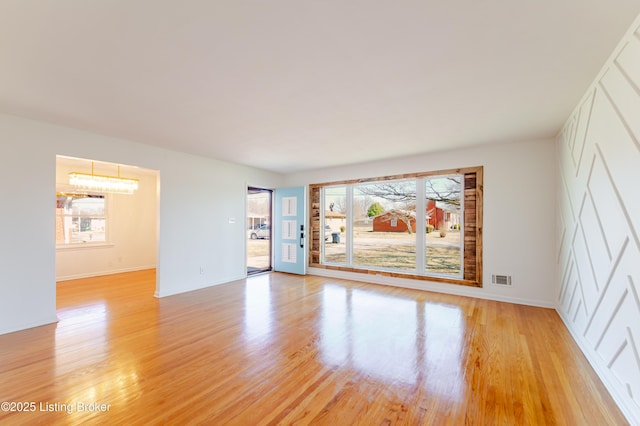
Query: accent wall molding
[[598, 224]]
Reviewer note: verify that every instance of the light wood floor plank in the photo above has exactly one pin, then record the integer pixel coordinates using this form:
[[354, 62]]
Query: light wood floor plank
[[283, 349]]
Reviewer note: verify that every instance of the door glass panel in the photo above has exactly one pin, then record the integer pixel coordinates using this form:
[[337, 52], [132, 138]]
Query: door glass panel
[[258, 230]]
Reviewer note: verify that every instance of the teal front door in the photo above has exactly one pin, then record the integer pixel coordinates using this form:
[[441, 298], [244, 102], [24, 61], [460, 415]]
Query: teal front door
[[289, 231]]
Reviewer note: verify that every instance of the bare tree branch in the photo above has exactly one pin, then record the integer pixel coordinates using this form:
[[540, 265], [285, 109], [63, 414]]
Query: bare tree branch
[[399, 192], [449, 194]]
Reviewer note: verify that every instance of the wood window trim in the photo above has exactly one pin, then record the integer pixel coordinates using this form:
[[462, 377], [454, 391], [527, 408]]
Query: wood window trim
[[473, 211]]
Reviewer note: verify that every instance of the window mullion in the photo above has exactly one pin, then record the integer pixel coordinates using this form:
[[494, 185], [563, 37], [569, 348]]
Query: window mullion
[[107, 217], [461, 223], [349, 227], [421, 223]]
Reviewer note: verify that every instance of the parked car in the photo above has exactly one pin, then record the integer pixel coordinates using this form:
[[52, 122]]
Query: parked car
[[263, 231], [260, 232]]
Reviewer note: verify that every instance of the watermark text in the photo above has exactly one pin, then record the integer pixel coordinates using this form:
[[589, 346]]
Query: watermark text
[[54, 407]]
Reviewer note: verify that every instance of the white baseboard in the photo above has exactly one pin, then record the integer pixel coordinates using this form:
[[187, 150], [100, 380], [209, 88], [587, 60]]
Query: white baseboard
[[457, 290], [161, 294], [30, 324], [99, 273], [629, 410]]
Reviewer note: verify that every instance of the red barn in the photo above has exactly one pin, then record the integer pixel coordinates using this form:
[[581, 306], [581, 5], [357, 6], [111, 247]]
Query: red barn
[[395, 220], [392, 221], [435, 215]]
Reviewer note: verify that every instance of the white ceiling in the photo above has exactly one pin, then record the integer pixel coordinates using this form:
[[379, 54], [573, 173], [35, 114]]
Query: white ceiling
[[82, 165], [289, 85]]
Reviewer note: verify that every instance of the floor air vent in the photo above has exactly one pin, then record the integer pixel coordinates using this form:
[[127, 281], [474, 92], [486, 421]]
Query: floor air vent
[[501, 279]]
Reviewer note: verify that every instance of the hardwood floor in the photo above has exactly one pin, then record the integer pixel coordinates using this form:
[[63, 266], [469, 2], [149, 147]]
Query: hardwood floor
[[283, 349]]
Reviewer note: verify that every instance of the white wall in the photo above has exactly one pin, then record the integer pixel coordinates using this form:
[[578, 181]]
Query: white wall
[[519, 188], [197, 198], [132, 230], [27, 237], [598, 245]]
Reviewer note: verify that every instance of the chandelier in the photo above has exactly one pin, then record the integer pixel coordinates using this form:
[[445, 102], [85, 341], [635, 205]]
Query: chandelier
[[103, 183]]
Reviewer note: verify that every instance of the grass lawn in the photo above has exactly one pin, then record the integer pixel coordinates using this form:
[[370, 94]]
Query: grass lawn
[[397, 250], [258, 253]]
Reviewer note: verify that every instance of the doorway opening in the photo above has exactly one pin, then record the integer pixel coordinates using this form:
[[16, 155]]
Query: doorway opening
[[104, 233], [259, 202]]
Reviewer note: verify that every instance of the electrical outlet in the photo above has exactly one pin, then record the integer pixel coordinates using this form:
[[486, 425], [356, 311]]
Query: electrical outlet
[[202, 270]]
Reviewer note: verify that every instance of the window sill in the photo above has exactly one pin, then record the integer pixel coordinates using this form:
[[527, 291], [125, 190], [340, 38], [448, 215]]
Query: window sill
[[83, 246], [457, 281]]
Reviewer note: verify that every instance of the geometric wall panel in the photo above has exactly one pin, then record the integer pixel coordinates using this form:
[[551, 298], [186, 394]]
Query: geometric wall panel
[[599, 225]]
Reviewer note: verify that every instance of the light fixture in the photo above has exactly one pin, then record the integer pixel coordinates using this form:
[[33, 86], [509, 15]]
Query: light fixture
[[102, 183]]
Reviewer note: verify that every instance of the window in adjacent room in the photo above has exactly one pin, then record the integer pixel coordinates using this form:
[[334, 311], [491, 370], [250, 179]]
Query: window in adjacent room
[[80, 218]]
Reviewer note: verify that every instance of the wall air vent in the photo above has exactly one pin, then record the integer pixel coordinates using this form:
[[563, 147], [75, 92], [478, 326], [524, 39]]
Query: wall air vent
[[501, 279]]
